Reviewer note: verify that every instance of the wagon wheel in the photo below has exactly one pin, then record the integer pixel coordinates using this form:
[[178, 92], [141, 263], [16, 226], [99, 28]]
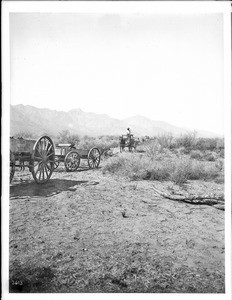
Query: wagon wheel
[[12, 166], [56, 162], [94, 158], [42, 159], [72, 161]]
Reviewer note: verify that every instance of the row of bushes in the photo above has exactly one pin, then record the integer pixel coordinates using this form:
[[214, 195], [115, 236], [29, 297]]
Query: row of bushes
[[87, 142], [188, 141], [103, 143], [176, 169], [206, 155], [208, 149]]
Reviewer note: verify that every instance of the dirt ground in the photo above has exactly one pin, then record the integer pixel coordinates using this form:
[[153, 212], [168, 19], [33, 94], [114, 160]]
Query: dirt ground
[[93, 232]]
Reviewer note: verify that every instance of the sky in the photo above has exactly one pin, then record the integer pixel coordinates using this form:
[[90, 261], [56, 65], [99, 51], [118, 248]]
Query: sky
[[163, 66]]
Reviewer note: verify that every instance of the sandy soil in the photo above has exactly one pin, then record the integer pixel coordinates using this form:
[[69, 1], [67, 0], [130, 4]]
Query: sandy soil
[[93, 232]]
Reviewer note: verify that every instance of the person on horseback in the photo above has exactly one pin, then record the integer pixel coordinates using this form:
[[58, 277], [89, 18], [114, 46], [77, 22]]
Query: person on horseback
[[129, 135]]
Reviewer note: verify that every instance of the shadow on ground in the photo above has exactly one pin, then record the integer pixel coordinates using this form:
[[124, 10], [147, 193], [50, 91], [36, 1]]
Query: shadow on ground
[[81, 169], [52, 187], [25, 279]]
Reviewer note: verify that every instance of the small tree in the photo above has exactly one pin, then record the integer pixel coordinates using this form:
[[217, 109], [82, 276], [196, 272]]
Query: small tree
[[165, 140], [66, 137], [188, 141]]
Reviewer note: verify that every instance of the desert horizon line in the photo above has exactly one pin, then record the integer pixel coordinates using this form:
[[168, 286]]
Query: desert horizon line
[[123, 119]]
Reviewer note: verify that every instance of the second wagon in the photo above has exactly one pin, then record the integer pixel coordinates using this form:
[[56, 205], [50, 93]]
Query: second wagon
[[71, 157]]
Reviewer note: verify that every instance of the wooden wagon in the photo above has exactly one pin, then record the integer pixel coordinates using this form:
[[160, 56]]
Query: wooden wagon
[[37, 155], [70, 156], [128, 141]]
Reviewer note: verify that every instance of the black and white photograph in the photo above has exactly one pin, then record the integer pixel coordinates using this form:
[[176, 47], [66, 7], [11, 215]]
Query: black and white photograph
[[116, 148]]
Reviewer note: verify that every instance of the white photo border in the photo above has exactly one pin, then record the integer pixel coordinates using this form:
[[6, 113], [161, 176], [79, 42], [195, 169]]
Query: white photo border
[[146, 7]]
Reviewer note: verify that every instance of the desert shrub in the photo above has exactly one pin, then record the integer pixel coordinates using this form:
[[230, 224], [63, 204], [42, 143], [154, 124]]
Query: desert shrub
[[175, 151], [86, 143], [184, 151], [220, 144], [165, 140], [181, 169], [114, 164], [104, 143], [204, 171], [140, 148], [220, 178], [163, 167], [210, 144], [159, 171], [152, 148], [108, 153], [204, 144], [219, 164], [196, 170], [192, 169], [210, 156], [222, 153], [66, 137], [187, 141], [196, 154], [211, 172], [137, 166]]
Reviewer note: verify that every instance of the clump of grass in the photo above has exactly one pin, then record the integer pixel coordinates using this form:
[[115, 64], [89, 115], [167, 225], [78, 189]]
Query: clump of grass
[[137, 167], [196, 154], [210, 156], [158, 172], [163, 167], [220, 179], [211, 172], [222, 153], [197, 170], [219, 164], [187, 141], [181, 171], [187, 169], [152, 148]]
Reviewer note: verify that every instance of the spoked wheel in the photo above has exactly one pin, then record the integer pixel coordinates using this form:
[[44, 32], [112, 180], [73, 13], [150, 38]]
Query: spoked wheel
[[56, 163], [72, 161], [12, 166], [94, 158], [43, 159]]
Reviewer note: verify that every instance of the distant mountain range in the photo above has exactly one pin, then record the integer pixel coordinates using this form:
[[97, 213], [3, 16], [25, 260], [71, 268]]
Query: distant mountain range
[[39, 121]]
